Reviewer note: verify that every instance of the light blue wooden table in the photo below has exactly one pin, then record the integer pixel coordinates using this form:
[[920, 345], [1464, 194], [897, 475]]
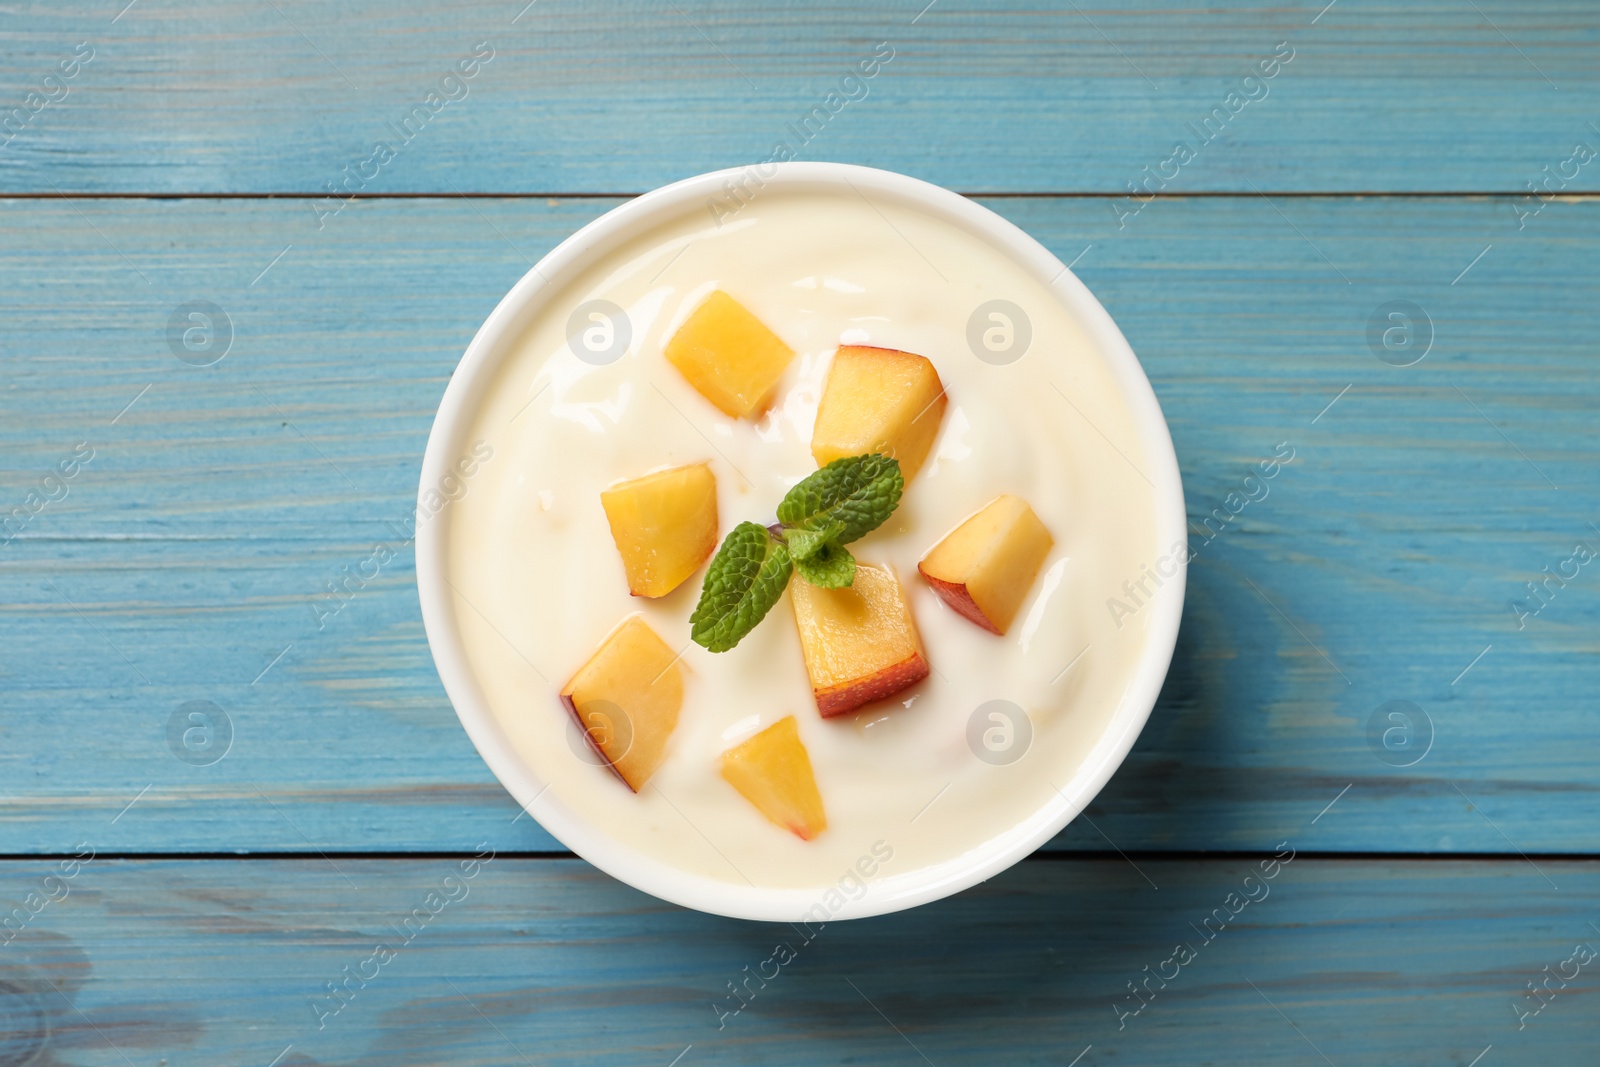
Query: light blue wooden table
[[168, 526]]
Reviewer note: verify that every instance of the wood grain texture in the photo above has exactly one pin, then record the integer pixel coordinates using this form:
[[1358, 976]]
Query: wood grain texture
[[231, 97], [185, 559], [549, 962], [209, 506]]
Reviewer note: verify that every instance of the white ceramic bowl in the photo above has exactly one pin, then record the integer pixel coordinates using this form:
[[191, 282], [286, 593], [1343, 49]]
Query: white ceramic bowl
[[495, 339]]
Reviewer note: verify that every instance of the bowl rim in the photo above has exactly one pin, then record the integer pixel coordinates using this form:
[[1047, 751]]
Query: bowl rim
[[446, 442]]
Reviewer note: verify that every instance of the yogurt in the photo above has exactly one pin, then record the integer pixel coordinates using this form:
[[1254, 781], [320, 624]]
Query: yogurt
[[970, 753]]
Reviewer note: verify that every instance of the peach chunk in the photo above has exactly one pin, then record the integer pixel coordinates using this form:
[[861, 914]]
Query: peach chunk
[[773, 772], [985, 567], [626, 700], [665, 526], [878, 400], [730, 356], [860, 642]]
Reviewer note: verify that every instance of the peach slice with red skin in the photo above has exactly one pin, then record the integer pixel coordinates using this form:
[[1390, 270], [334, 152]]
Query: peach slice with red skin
[[860, 642], [985, 568]]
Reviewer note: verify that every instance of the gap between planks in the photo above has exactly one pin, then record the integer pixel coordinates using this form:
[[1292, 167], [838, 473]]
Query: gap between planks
[[1204, 194], [1042, 856]]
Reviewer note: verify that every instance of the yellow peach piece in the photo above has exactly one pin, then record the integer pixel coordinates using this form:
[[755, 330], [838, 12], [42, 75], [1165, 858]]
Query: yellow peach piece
[[730, 356], [878, 400], [626, 700], [773, 772], [664, 525]]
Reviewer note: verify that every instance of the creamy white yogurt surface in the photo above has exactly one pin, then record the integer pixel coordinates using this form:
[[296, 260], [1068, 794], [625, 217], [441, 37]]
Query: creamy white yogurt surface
[[539, 581]]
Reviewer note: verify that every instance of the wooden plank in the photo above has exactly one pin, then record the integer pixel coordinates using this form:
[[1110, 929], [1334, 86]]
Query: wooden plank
[[185, 560], [228, 97], [1353, 963]]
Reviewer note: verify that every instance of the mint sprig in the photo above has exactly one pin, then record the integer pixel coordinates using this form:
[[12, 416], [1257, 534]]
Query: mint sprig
[[805, 543], [846, 500], [831, 568], [747, 576], [855, 495]]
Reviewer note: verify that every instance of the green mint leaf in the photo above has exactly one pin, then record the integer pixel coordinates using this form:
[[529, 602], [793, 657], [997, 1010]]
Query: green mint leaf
[[832, 567], [804, 543], [747, 576], [843, 501], [856, 493]]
